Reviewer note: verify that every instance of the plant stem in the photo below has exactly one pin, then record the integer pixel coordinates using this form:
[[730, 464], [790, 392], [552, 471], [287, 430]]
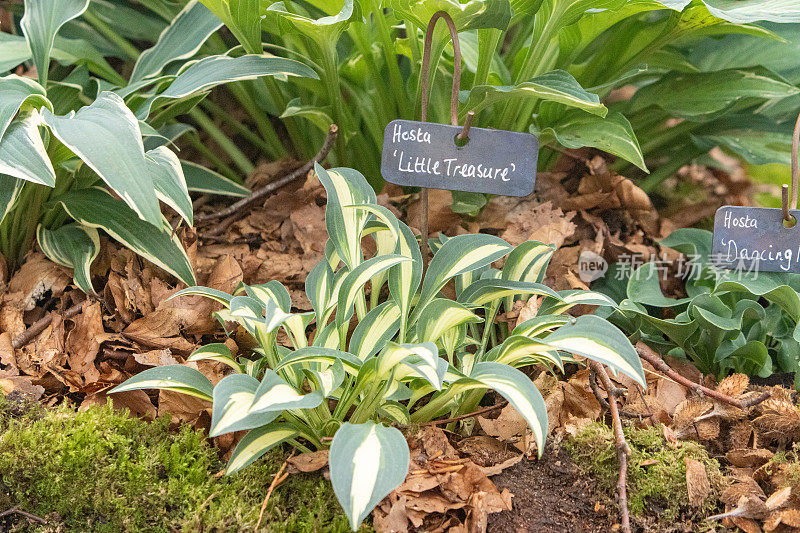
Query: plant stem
[[106, 31], [223, 168], [240, 128], [485, 55], [239, 159], [390, 56]]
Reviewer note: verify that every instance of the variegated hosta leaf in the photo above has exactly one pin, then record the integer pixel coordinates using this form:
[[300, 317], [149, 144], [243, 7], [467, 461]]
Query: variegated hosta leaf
[[319, 286], [378, 326], [386, 243], [327, 337], [216, 351], [206, 181], [355, 280], [328, 380], [527, 262], [571, 298], [233, 396], [40, 24], [404, 279], [517, 350], [324, 30], [10, 188], [97, 209], [485, 291], [271, 291], [177, 378], [417, 367], [211, 71], [595, 338], [520, 392], [169, 183], [396, 412], [218, 296], [258, 442], [367, 462], [248, 312], [295, 325], [441, 315], [22, 152], [346, 187], [180, 40], [319, 354], [424, 356], [540, 324], [275, 395], [16, 92], [73, 246], [456, 256], [106, 136]]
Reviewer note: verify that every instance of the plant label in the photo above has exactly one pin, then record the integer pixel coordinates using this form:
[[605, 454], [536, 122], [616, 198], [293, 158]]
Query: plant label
[[755, 239], [427, 154]]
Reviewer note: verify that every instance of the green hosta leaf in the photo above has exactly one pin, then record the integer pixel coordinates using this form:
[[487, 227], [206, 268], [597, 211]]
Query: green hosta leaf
[[10, 188], [319, 354], [243, 19], [378, 326], [367, 462], [346, 187], [211, 71], [169, 183], [520, 392], [233, 396], [769, 285], [97, 209], [201, 179], [422, 357], [73, 246], [23, 154], [275, 395], [16, 92], [216, 351], [555, 86], [177, 378], [441, 315], [756, 138], [692, 95], [457, 256], [325, 30], [591, 336], [318, 116], [571, 298], [612, 134], [40, 24], [540, 324], [258, 442], [518, 350], [485, 291], [354, 282], [755, 10], [644, 288], [396, 412], [106, 136], [180, 40], [470, 15], [216, 295]]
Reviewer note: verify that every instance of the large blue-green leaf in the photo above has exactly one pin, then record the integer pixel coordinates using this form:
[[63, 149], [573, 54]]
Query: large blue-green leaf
[[201, 179], [73, 246], [243, 19], [178, 378], [367, 462], [106, 136], [258, 442], [10, 188], [180, 40], [16, 92], [23, 154], [233, 396], [97, 209], [40, 24], [169, 183]]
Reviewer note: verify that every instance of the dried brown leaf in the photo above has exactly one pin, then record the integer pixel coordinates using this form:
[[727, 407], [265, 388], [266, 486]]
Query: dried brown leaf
[[697, 484]]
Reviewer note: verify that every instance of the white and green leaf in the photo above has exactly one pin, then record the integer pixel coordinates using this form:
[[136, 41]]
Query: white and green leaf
[[176, 378]]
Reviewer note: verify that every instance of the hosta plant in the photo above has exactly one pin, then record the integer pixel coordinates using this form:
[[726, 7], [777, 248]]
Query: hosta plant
[[730, 321], [405, 354], [83, 153]]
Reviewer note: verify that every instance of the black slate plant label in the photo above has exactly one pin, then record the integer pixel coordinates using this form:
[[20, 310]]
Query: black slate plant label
[[755, 239], [425, 154]]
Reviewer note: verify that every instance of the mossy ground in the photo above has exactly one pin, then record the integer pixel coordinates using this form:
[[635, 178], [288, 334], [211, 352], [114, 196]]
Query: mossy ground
[[656, 471], [101, 471]]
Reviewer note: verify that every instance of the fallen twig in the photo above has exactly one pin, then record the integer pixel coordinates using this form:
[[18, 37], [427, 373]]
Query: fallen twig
[[40, 325], [17, 510], [277, 480], [623, 450], [277, 184], [468, 415], [616, 392], [646, 353]]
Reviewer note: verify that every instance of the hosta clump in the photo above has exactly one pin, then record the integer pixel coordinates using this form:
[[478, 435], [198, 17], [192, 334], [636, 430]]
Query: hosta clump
[[413, 355], [729, 322]]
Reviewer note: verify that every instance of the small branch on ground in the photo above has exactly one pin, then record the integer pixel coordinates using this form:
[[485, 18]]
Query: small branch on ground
[[468, 415], [623, 450], [646, 353], [279, 477], [40, 325], [277, 184], [17, 510], [617, 392]]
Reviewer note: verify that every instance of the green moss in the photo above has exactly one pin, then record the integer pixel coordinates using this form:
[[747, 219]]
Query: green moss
[[660, 484], [103, 471]]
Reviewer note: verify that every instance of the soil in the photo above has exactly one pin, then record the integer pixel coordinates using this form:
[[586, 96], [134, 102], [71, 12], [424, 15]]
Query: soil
[[551, 495]]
